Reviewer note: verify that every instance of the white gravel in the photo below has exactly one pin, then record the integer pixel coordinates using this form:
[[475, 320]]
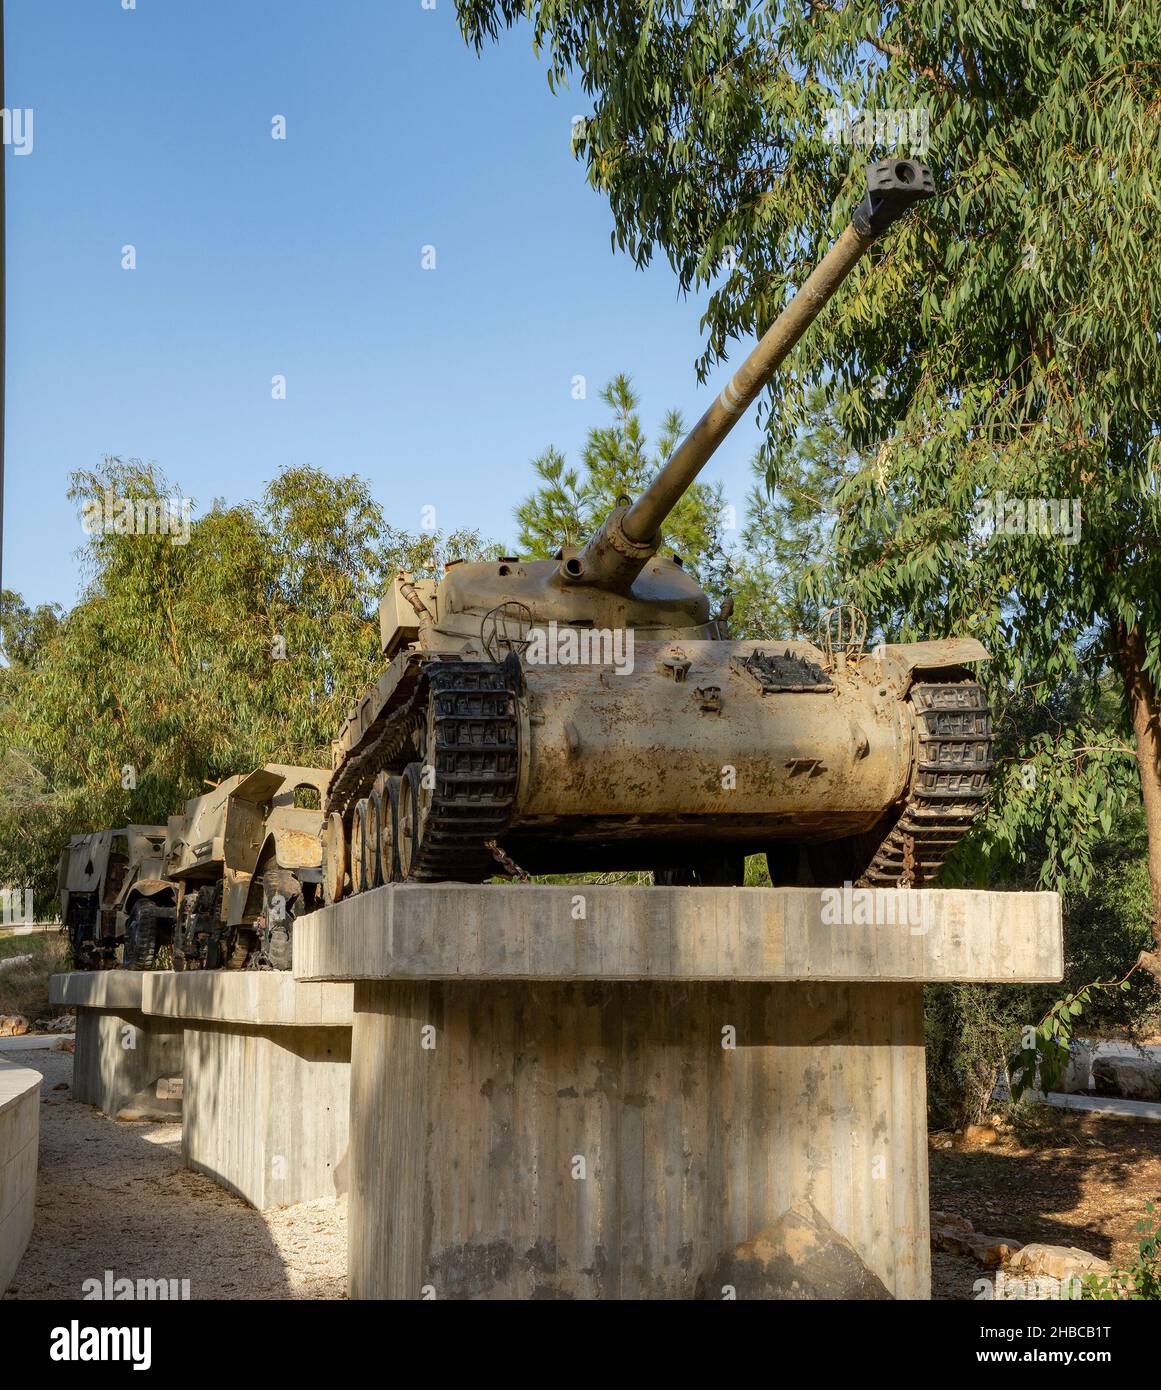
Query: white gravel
[[113, 1195]]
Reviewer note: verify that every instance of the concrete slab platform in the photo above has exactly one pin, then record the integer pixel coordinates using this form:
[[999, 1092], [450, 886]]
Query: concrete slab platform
[[259, 998], [19, 1147], [265, 1064], [34, 1042], [98, 989], [532, 932], [598, 1092]]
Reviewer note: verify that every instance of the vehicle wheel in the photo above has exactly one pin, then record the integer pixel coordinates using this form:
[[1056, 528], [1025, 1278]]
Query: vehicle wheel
[[141, 937], [714, 871], [334, 859], [281, 901], [372, 833], [358, 847], [389, 830], [409, 821]]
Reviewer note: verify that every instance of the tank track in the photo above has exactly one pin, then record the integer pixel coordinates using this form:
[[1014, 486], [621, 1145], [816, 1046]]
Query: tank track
[[949, 785], [473, 745]]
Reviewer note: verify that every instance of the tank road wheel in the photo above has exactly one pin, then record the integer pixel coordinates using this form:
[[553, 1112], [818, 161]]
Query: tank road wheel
[[713, 871], [281, 902], [410, 824], [141, 937], [373, 824], [334, 859], [389, 830], [359, 847]]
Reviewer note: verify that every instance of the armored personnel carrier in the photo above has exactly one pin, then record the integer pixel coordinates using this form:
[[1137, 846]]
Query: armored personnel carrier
[[591, 712], [246, 857], [114, 896]]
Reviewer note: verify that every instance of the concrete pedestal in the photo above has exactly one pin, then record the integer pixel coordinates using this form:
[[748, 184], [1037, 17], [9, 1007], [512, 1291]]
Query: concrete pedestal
[[121, 1051], [265, 1064], [267, 1081], [597, 1092]]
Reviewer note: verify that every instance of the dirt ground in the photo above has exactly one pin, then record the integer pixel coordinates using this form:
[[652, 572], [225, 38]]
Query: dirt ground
[[115, 1196], [1064, 1178]]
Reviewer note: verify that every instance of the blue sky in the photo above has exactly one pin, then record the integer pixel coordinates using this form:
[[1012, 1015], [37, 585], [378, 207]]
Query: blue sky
[[302, 257]]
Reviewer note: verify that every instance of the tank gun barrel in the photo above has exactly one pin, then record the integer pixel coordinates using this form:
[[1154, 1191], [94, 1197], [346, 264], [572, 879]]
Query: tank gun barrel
[[630, 535]]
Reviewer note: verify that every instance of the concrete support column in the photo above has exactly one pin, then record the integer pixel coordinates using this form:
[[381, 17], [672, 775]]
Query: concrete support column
[[267, 1080], [266, 1110], [609, 1092], [121, 1051], [612, 1140]]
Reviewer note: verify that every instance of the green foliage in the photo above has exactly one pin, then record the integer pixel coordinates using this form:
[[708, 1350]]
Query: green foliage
[[184, 663], [1142, 1279], [1043, 1058], [1001, 342], [617, 462]]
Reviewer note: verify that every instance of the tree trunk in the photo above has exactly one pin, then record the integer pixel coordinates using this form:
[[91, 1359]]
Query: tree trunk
[[1145, 713]]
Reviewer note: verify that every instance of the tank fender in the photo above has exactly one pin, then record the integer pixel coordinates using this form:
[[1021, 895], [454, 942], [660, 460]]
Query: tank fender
[[158, 889], [901, 661], [297, 850]]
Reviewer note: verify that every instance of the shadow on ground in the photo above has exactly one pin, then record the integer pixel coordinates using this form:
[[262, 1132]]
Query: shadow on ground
[[114, 1196], [1074, 1179]]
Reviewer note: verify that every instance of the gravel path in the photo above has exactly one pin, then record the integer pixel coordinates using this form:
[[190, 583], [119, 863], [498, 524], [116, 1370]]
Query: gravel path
[[114, 1196]]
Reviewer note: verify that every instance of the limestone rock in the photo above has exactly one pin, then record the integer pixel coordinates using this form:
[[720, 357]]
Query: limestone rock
[[1076, 1078], [1131, 1076], [957, 1235], [1056, 1261], [800, 1257], [13, 1024]]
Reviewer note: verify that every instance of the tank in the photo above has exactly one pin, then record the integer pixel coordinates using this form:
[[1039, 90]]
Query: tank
[[591, 712], [114, 897], [246, 857]]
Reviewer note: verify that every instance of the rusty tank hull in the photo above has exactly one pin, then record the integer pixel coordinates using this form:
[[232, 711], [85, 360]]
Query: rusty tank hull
[[246, 857], [117, 906], [589, 712]]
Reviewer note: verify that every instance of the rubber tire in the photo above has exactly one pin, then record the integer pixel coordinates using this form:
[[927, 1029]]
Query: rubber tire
[[372, 820], [356, 858], [279, 936], [334, 859], [141, 937]]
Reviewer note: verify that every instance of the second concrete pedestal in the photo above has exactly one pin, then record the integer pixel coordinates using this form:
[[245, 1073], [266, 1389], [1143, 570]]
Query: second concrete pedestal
[[121, 1052], [267, 1077]]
